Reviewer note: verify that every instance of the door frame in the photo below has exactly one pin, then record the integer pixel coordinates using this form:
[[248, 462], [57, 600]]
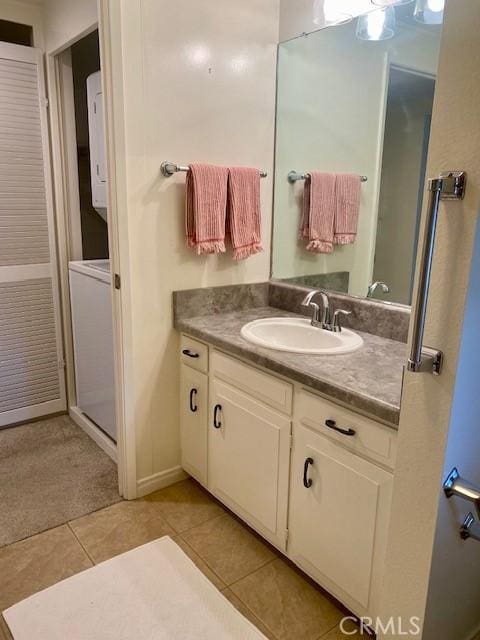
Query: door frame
[[67, 207]]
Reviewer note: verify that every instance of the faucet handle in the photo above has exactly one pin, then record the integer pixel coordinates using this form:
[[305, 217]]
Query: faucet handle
[[337, 325]]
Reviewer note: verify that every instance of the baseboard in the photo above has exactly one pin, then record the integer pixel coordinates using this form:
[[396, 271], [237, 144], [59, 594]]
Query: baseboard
[[159, 480], [94, 432]]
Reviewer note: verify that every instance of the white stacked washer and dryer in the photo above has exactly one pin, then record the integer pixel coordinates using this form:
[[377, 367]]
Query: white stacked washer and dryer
[[91, 303]]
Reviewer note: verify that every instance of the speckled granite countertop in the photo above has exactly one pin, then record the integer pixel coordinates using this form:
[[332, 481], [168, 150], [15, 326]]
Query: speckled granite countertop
[[368, 380]]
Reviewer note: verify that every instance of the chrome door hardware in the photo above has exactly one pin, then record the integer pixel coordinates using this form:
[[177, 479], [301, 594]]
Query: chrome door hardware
[[455, 485], [450, 185], [470, 528]]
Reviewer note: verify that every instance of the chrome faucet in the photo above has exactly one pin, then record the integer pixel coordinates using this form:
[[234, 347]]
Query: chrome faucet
[[374, 286], [324, 322]]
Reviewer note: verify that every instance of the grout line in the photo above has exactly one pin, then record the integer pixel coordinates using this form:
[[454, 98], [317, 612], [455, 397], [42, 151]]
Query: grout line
[[262, 566], [80, 543]]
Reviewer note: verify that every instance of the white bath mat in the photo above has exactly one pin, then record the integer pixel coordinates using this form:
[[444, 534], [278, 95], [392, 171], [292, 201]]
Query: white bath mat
[[154, 592]]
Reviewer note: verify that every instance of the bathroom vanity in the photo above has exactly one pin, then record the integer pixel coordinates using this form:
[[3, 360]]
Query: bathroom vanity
[[301, 447]]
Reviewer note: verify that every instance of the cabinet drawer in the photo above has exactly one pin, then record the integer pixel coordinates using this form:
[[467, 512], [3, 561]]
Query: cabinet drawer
[[194, 353], [270, 390], [371, 439]]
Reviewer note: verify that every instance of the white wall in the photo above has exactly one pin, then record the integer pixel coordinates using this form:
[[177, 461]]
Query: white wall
[[193, 82], [66, 21], [330, 117]]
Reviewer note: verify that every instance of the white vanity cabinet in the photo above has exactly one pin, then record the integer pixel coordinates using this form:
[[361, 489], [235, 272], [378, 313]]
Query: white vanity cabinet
[[194, 408], [339, 507], [311, 476], [248, 453]]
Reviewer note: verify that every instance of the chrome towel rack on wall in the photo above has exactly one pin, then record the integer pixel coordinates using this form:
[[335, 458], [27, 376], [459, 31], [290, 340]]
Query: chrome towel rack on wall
[[294, 176], [168, 169]]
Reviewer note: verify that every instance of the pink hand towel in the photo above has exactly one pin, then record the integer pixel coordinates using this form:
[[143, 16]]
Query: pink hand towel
[[206, 205], [347, 209], [243, 213], [318, 213]]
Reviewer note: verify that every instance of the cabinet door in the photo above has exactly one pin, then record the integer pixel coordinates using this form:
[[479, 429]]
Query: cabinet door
[[248, 459], [338, 518], [193, 422]]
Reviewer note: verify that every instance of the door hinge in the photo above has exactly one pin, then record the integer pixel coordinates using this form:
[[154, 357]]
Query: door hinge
[[291, 442], [287, 533], [116, 280], [62, 364], [46, 103]]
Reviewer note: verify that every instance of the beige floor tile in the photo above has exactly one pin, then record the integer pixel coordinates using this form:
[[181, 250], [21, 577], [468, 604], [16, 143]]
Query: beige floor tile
[[204, 568], [185, 505], [119, 528], [348, 629], [245, 611], [36, 563], [229, 548], [287, 603]]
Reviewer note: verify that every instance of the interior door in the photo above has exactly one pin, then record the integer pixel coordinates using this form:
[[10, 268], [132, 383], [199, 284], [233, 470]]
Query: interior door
[[431, 573], [31, 358]]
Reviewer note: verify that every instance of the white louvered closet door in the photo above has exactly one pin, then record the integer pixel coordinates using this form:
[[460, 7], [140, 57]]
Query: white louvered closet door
[[31, 362]]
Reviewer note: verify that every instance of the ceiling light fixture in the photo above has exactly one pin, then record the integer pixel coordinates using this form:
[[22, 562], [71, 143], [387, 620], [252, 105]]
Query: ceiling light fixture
[[326, 13], [429, 11], [390, 3], [377, 25]]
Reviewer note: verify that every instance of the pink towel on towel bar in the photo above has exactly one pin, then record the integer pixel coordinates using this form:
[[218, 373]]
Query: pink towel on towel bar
[[318, 213], [347, 208], [243, 212], [206, 204]]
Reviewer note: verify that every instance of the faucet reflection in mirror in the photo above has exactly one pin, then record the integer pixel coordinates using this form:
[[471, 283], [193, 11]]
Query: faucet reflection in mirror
[[368, 114]]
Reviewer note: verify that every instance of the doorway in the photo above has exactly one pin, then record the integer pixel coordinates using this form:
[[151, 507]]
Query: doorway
[[407, 133], [85, 272]]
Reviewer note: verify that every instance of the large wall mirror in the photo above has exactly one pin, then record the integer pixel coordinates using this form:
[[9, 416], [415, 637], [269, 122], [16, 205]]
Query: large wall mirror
[[348, 104]]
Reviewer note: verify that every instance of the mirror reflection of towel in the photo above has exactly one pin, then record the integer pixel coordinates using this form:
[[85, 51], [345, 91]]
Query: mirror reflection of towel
[[331, 206], [347, 195]]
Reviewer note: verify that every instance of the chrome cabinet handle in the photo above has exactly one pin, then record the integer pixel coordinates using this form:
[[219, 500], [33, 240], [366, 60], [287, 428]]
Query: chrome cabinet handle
[[190, 354], [331, 424], [448, 186], [216, 422], [307, 482], [193, 407]]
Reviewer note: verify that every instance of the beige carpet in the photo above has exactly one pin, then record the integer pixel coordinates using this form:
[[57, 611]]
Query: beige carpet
[[50, 472]]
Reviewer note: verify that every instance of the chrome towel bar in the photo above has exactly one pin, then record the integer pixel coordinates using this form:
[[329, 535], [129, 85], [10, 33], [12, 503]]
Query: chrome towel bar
[[448, 186], [168, 169], [294, 176]]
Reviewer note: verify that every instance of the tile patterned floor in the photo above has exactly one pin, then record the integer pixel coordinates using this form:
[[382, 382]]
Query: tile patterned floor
[[258, 581]]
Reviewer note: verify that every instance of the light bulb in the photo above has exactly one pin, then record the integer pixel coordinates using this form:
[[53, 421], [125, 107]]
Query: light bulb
[[436, 5], [377, 25], [327, 13]]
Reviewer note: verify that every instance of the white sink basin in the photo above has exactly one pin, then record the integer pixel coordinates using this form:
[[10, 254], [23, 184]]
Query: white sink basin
[[298, 336]]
